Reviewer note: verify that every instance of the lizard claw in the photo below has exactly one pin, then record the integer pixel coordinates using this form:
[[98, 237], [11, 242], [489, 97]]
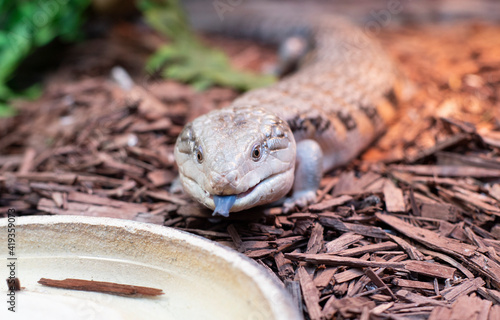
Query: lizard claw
[[299, 200]]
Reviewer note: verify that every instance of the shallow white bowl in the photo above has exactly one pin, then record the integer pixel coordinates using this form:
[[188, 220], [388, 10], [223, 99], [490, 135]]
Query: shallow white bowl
[[200, 279]]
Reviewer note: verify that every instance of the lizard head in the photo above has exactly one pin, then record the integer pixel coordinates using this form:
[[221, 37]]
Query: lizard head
[[236, 158]]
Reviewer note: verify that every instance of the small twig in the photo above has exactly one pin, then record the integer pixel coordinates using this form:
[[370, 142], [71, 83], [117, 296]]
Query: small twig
[[101, 286]]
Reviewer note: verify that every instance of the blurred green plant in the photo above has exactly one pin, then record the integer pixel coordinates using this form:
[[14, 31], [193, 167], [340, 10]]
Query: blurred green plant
[[186, 59], [26, 25]]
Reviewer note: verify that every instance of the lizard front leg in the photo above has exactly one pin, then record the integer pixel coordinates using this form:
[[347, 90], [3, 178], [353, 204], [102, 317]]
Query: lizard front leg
[[308, 173]]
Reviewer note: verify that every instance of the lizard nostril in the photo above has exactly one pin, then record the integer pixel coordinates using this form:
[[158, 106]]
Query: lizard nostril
[[232, 177]]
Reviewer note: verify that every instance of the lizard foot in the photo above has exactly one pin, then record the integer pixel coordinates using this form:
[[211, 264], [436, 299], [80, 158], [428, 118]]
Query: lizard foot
[[299, 200]]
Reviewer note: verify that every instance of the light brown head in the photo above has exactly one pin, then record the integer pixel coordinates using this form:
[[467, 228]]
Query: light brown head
[[243, 151]]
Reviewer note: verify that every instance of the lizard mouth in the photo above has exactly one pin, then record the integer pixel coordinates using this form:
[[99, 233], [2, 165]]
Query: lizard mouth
[[267, 190], [243, 194], [224, 203]]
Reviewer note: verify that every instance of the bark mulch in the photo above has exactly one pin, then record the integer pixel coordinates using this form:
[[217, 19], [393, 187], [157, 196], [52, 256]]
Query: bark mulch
[[408, 231]]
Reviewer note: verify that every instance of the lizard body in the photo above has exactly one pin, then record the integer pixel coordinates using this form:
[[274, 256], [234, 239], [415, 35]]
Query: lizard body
[[285, 136]]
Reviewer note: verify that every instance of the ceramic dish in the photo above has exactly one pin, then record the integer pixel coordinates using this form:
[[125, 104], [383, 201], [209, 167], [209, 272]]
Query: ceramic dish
[[200, 279]]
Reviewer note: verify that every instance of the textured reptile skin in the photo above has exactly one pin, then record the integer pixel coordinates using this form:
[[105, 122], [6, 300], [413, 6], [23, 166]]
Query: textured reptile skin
[[341, 98]]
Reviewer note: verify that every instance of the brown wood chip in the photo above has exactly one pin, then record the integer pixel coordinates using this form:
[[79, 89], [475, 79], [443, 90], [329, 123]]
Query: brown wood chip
[[449, 171], [310, 293], [336, 260], [430, 269], [394, 200], [328, 204], [101, 286], [337, 224], [428, 237]]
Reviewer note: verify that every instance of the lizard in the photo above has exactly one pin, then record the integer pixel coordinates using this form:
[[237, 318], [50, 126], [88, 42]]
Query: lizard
[[272, 140]]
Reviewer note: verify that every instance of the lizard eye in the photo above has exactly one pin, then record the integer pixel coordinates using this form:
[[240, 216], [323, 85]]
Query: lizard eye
[[256, 152], [199, 155]]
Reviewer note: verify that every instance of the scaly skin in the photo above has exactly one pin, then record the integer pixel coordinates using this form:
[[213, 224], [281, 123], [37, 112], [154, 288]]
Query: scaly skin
[[314, 120]]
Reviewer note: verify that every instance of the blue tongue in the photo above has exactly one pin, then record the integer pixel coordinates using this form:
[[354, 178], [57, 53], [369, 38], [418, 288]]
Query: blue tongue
[[223, 204]]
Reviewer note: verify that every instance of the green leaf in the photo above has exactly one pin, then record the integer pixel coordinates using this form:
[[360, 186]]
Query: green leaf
[[26, 25], [186, 59]]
